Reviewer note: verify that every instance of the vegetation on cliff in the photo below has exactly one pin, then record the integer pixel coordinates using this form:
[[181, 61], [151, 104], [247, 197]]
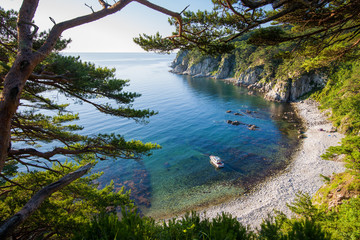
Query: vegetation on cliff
[[270, 69], [244, 56], [342, 96]]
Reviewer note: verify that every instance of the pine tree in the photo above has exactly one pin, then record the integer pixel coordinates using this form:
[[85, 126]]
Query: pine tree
[[30, 66]]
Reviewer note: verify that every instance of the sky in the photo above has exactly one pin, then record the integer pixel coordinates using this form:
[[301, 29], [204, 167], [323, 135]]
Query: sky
[[113, 33]]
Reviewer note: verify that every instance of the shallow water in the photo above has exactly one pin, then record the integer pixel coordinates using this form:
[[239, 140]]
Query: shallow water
[[190, 126]]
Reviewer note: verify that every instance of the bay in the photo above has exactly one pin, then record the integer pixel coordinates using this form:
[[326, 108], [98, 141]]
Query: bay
[[190, 126]]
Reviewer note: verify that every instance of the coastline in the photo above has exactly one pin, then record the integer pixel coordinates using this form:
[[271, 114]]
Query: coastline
[[302, 175]]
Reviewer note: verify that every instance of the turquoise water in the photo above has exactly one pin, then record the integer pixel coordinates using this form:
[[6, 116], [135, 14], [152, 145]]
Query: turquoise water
[[190, 126]]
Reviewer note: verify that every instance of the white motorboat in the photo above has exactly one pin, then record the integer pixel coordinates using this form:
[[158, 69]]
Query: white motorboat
[[216, 161]]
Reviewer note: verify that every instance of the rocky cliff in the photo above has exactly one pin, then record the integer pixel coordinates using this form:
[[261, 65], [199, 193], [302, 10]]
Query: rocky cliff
[[254, 77]]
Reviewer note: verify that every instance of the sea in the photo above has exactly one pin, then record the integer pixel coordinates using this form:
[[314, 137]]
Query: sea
[[191, 124]]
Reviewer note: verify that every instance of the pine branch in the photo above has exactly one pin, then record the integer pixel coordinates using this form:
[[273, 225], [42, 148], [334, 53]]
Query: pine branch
[[48, 155], [34, 203]]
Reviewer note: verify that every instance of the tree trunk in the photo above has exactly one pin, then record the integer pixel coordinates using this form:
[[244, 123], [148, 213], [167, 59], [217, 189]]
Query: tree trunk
[[10, 98]]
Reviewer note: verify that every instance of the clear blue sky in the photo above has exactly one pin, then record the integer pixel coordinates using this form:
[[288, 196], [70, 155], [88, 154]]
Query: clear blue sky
[[113, 33]]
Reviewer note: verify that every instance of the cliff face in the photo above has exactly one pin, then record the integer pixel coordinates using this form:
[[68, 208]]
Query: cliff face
[[254, 77], [186, 66], [292, 89]]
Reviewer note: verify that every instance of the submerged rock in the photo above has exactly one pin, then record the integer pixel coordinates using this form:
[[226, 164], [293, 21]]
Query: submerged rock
[[252, 127], [236, 123], [139, 185]]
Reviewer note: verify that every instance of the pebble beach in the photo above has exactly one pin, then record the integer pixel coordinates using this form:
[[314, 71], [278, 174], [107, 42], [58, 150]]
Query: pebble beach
[[302, 175]]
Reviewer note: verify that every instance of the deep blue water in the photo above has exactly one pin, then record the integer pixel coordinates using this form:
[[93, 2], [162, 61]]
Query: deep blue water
[[190, 126]]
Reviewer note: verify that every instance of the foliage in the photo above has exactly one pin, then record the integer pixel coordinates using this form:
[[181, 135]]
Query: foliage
[[191, 226], [194, 35], [43, 133], [341, 222], [343, 185], [345, 222], [350, 146], [66, 210], [267, 36], [311, 223], [328, 30], [273, 60], [341, 95], [107, 226], [302, 206], [285, 229], [83, 83]]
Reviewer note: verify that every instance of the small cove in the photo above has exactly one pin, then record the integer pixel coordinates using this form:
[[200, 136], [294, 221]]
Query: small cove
[[190, 126]]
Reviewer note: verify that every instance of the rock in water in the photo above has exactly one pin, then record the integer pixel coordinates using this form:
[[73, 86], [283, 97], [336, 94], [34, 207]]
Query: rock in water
[[253, 127], [236, 123]]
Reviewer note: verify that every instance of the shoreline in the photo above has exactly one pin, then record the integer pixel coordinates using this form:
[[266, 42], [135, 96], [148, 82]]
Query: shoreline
[[301, 175]]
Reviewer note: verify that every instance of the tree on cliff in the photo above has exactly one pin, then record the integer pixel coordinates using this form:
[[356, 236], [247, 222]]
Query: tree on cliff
[[330, 29], [30, 66]]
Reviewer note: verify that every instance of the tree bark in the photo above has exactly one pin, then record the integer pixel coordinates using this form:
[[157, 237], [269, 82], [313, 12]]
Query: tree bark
[[10, 98], [16, 78], [33, 204]]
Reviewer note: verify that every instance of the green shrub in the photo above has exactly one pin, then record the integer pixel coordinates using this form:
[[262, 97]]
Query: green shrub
[[344, 222], [107, 226], [341, 95]]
